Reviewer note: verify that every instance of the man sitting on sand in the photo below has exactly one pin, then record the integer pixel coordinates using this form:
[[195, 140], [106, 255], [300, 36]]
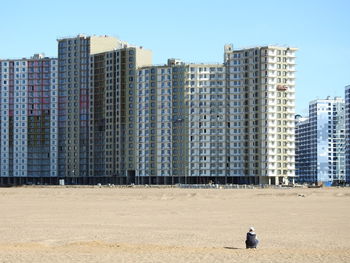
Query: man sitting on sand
[[251, 241]]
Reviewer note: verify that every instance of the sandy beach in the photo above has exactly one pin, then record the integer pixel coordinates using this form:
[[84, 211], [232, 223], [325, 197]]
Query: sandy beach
[[91, 224]]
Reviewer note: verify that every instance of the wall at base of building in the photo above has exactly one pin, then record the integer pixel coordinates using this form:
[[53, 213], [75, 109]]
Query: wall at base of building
[[140, 180]]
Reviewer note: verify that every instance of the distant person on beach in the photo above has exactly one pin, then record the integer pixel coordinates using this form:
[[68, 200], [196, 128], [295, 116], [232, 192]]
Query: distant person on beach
[[251, 241]]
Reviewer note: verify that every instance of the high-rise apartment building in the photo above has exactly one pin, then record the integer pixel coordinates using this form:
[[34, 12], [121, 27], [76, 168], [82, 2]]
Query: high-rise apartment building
[[29, 131], [320, 143], [232, 122], [181, 127], [120, 119], [74, 100], [113, 92], [261, 86], [305, 150], [96, 110], [347, 133]]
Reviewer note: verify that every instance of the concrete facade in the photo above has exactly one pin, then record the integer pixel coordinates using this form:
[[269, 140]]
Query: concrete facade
[[261, 83], [97, 94], [228, 123], [74, 100], [347, 133], [121, 119], [28, 138]]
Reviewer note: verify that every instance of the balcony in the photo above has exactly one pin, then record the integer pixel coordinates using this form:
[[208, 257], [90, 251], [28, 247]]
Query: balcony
[[271, 74], [291, 61]]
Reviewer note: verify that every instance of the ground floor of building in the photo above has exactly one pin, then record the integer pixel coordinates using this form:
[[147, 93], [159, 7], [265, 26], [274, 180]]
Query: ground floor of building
[[143, 180]]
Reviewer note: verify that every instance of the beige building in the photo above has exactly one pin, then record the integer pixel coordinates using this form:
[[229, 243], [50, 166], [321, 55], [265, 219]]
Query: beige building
[[263, 78], [228, 123]]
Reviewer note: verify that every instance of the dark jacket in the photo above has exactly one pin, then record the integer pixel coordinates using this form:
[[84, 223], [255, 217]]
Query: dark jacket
[[251, 240]]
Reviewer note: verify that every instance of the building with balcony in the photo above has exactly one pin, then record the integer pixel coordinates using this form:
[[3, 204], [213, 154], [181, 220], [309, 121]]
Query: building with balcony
[[227, 123], [96, 107], [320, 143], [181, 127], [28, 116], [113, 99], [261, 90], [112, 116], [74, 100], [347, 133]]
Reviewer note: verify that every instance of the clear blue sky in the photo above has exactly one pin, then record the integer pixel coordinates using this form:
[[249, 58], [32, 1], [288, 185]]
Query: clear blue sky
[[195, 31]]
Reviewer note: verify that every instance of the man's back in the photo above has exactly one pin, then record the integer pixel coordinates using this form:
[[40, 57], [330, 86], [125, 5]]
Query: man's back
[[251, 241]]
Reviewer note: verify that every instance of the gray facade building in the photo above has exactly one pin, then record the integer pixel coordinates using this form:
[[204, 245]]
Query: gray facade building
[[74, 101], [96, 107]]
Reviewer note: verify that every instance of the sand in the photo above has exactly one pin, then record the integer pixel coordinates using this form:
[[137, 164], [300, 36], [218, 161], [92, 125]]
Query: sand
[[60, 224]]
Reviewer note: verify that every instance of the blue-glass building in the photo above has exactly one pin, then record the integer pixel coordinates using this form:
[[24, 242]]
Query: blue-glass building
[[320, 143]]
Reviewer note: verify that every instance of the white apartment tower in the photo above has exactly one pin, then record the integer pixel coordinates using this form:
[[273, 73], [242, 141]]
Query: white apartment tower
[[261, 86]]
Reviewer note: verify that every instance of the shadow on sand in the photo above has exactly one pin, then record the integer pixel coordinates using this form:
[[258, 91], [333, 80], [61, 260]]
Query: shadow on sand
[[232, 248]]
